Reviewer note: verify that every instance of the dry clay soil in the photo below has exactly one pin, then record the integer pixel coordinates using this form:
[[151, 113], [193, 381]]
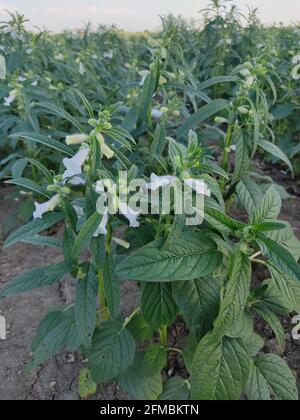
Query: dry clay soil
[[58, 378]]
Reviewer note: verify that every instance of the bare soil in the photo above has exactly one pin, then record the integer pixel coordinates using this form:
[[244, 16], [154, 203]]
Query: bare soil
[[57, 379]]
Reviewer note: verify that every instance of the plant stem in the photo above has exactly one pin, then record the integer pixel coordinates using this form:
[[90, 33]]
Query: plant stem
[[101, 294], [258, 261], [176, 350], [129, 318], [164, 336], [255, 255]]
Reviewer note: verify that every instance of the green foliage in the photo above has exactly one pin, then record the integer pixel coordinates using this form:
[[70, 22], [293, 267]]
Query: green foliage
[[192, 104]]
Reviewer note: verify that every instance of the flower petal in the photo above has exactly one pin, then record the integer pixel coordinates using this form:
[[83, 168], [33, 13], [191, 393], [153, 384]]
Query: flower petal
[[41, 209]]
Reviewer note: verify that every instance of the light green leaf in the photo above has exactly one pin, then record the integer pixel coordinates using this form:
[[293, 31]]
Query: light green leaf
[[45, 141], [275, 151], [220, 369], [192, 257], [206, 112], [86, 305], [29, 185], [112, 352], [86, 384], [157, 304], [34, 227], [269, 208], [269, 377], [86, 233], [176, 389], [249, 194], [155, 359], [137, 384], [39, 277]]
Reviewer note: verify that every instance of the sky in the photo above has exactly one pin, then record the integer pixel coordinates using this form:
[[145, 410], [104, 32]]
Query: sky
[[133, 15]]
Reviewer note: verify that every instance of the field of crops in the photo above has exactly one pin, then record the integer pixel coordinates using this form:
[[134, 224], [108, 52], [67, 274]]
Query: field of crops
[[85, 115]]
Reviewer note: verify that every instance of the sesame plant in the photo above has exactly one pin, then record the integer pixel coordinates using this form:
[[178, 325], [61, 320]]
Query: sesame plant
[[79, 157]]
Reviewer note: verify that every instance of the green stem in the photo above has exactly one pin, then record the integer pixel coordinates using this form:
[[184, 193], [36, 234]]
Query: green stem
[[101, 294], [129, 318], [164, 336]]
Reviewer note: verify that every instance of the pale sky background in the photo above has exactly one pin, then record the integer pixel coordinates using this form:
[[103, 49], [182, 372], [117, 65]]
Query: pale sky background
[[133, 15]]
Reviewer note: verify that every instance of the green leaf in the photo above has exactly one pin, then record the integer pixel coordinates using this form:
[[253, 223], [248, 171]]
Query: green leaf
[[137, 384], [175, 389], [43, 241], [198, 301], [269, 226], [34, 227], [242, 159], [271, 319], [42, 168], [249, 194], [269, 208], [111, 288], [278, 153], [192, 257], [286, 286], [253, 343], [206, 112], [86, 233], [54, 341], [213, 215], [220, 369], [146, 97], [236, 293], [29, 185], [280, 257], [86, 305], [287, 238], [155, 359], [269, 377], [45, 141], [55, 110], [157, 304], [112, 352], [216, 80], [39, 277], [139, 328], [86, 384]]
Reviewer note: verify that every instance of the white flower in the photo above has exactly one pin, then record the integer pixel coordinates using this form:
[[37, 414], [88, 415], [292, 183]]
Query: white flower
[[108, 54], [143, 74], [81, 68], [21, 79], [79, 210], [29, 51], [130, 214], [35, 83], [107, 151], [160, 181], [2, 328], [76, 139], [74, 166], [296, 59], [59, 57], [198, 185], [156, 114], [121, 242], [249, 82], [296, 72], [8, 100], [245, 72], [101, 230], [43, 208]]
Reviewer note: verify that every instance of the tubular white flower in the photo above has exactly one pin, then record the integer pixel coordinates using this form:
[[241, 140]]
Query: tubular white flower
[[107, 151], [76, 139], [160, 181], [81, 69], [143, 74], [74, 165], [43, 208], [296, 72], [101, 230], [108, 54], [8, 100], [296, 59], [121, 242], [130, 214], [198, 186]]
